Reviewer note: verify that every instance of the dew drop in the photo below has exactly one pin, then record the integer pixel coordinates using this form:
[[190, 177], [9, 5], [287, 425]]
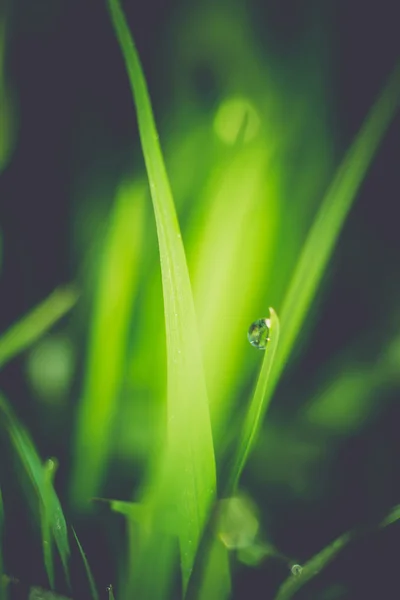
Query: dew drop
[[296, 570], [258, 334]]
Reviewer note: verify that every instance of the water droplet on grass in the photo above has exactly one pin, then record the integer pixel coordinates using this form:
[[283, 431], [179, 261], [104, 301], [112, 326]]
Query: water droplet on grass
[[296, 570], [258, 334]]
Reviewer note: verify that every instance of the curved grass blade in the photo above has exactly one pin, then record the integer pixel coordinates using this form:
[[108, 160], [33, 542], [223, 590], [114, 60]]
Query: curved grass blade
[[330, 218], [29, 328], [50, 509], [190, 445], [323, 558], [92, 584], [257, 408]]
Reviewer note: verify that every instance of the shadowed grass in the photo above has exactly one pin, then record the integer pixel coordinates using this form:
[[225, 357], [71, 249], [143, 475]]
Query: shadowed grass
[[31, 327], [329, 220], [318, 562], [191, 488], [49, 470], [40, 485], [7, 100]]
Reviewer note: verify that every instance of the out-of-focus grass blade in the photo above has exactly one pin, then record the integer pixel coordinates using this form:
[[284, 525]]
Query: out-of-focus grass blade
[[330, 218], [7, 103], [257, 408], [110, 592], [189, 429], [33, 469], [92, 584], [2, 579], [49, 470], [29, 328], [294, 582], [113, 300], [323, 558], [152, 547], [216, 583]]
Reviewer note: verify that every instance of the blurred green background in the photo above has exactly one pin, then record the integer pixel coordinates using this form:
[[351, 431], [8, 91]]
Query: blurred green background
[[256, 102]]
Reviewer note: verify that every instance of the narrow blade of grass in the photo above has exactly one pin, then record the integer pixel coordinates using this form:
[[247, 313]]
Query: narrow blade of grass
[[318, 562], [108, 340], [110, 592], [32, 468], [47, 538], [7, 101], [253, 419], [31, 327], [92, 584], [326, 228], [189, 429]]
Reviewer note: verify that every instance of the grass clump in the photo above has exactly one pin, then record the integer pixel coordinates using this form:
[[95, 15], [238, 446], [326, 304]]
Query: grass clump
[[174, 516]]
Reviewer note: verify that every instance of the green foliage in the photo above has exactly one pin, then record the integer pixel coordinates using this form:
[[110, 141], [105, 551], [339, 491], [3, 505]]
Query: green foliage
[[256, 410], [40, 488], [192, 488], [47, 539], [107, 349], [318, 562], [31, 327], [92, 584], [329, 220], [241, 226]]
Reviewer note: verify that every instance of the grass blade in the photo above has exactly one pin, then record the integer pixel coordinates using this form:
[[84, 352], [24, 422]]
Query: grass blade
[[110, 592], [31, 327], [257, 407], [318, 562], [294, 582], [189, 427], [330, 218], [92, 584], [47, 539], [107, 348], [32, 468]]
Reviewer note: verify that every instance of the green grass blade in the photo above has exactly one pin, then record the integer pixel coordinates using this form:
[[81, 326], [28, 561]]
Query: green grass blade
[[92, 584], [108, 340], [314, 566], [110, 592], [257, 407], [32, 468], [330, 218], [151, 551], [189, 427], [31, 327], [7, 100], [216, 583], [49, 469], [318, 562]]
